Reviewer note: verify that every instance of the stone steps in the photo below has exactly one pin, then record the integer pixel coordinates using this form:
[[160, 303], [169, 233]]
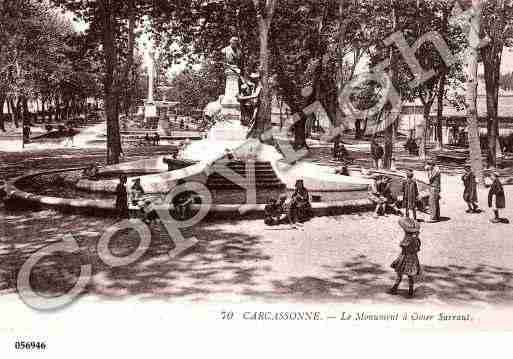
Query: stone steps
[[265, 177]]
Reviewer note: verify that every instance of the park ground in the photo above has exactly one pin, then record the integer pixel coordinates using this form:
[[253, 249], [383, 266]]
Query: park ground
[[466, 259]]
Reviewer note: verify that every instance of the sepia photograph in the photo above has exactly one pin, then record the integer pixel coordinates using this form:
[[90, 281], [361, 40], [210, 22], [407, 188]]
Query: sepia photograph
[[225, 177]]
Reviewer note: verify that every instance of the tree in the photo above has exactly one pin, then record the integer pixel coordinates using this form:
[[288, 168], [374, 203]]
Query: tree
[[497, 22], [472, 80], [112, 25]]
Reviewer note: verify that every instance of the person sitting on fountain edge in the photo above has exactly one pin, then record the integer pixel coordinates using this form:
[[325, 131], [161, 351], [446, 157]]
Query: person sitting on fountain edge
[[390, 198], [300, 208], [275, 210], [183, 202]]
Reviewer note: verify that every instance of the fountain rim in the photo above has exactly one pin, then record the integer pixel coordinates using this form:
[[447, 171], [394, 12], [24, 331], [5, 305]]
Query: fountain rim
[[320, 208]]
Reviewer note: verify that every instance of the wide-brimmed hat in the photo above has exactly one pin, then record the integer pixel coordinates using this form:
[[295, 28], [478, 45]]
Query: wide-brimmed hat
[[409, 225]]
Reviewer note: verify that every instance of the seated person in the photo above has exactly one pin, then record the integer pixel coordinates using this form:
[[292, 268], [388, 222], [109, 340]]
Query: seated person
[[137, 193], [300, 207], [183, 202], [343, 171], [342, 153], [91, 172], [376, 197], [228, 154], [388, 195], [275, 211]]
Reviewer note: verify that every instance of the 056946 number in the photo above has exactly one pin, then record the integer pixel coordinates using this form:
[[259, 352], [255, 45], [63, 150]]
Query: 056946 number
[[22, 345]]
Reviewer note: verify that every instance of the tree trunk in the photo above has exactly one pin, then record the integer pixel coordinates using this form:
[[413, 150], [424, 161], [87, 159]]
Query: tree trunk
[[111, 95], [26, 112], [389, 147], [3, 97], [264, 18], [440, 113], [471, 97], [127, 82], [264, 117], [492, 92]]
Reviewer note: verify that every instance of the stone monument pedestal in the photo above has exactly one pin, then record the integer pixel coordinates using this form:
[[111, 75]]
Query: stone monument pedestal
[[230, 105], [164, 129]]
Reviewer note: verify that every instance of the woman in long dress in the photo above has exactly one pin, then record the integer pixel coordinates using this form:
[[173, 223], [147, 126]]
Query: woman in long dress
[[300, 207]]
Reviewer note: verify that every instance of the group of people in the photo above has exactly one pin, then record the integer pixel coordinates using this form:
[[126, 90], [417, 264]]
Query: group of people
[[380, 193], [152, 140], [135, 195], [496, 197], [297, 209]]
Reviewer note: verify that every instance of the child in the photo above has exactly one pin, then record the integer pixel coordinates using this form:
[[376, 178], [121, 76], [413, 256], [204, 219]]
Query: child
[[470, 191], [496, 198], [408, 261]]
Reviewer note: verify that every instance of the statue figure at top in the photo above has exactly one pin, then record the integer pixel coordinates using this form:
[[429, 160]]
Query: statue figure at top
[[233, 54]]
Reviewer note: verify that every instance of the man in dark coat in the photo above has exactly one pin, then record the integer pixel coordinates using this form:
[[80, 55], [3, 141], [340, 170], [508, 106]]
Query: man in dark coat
[[122, 198], [470, 191], [496, 198], [410, 195], [435, 183]]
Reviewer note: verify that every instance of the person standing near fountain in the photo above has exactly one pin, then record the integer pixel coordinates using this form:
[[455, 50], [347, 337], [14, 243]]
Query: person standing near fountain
[[410, 195], [122, 198], [435, 182], [470, 191], [496, 198]]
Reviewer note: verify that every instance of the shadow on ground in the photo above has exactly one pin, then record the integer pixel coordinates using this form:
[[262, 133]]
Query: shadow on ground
[[226, 264]]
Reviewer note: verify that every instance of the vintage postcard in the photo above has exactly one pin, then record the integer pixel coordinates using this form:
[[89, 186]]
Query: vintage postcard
[[186, 177]]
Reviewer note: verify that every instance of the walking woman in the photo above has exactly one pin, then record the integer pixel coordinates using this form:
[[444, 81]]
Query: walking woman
[[410, 195], [122, 198], [408, 262], [496, 198], [470, 191]]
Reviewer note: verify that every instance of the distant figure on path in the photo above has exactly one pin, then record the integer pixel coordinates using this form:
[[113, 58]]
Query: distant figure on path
[[122, 198], [496, 198], [435, 182], [26, 134], [147, 139], [407, 263], [470, 191], [70, 136], [156, 139], [410, 195]]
